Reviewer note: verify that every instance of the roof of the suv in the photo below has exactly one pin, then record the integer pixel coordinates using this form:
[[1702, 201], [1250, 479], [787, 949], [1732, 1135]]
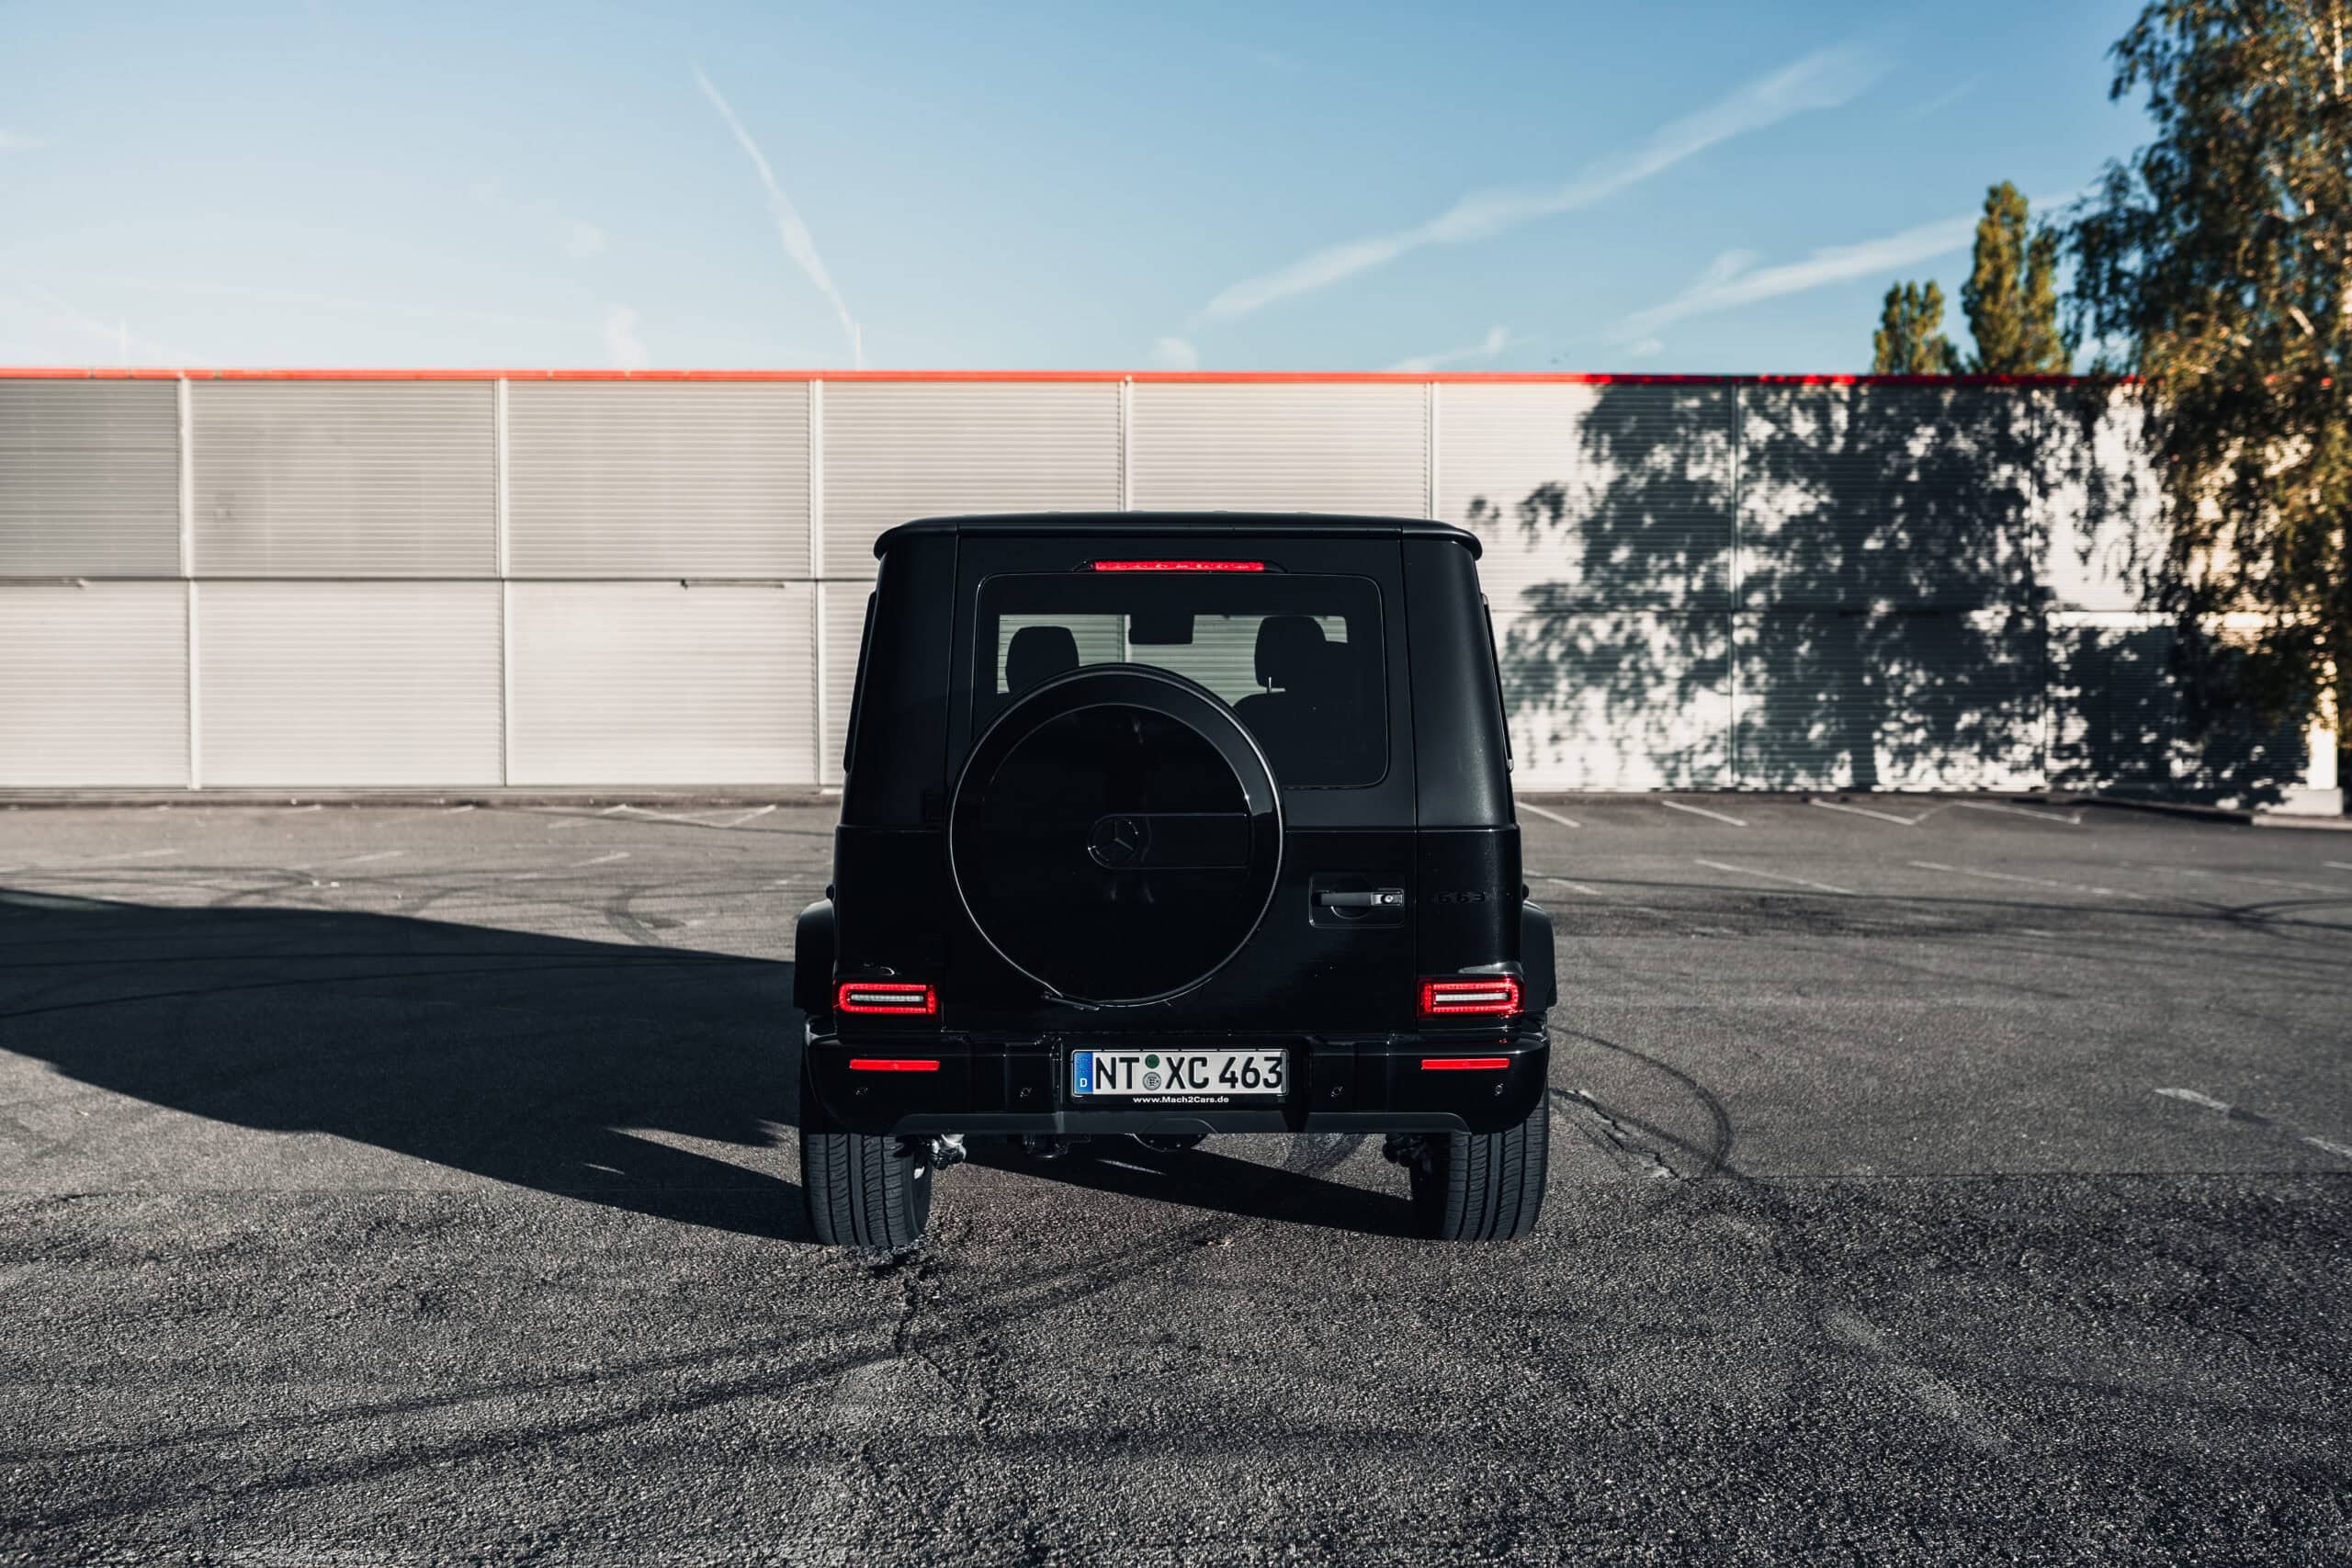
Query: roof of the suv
[[1203, 524]]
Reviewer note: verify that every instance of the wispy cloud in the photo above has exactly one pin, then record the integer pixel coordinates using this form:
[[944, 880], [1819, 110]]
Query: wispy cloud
[[1649, 348], [798, 244], [1174, 354], [620, 338], [17, 142], [36, 324], [1493, 342], [1729, 283], [1945, 100], [1823, 79]]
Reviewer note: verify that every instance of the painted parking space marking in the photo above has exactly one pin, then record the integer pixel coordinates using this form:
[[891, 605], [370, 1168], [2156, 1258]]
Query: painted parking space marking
[[363, 860], [1701, 811], [604, 859], [2204, 1102], [2071, 819], [132, 855], [1549, 816], [2338, 864], [2243, 876], [1866, 811], [1774, 876], [2029, 880]]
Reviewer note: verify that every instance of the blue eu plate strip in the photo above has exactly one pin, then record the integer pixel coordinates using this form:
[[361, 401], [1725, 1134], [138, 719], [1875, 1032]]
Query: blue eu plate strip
[[1082, 1072]]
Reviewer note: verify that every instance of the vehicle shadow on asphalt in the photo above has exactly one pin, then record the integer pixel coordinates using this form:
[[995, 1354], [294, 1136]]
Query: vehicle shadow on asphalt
[[563, 1066], [1294, 1193]]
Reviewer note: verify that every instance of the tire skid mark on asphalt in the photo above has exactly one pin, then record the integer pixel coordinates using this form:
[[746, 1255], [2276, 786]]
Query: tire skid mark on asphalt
[[1631, 1156], [1930, 1392], [1716, 1157], [987, 1307], [2244, 876]]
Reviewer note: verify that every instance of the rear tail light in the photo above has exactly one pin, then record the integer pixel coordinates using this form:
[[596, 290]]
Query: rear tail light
[[903, 997], [1180, 566], [894, 1064], [1455, 1064], [1490, 994]]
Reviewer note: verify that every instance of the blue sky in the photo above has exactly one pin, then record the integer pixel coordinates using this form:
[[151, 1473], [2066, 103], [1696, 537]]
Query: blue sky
[[1651, 185]]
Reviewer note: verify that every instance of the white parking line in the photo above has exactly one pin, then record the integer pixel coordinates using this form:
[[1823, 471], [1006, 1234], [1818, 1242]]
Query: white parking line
[[131, 854], [455, 809], [2030, 881], [604, 859], [1701, 811], [1548, 815], [2242, 876], [2072, 819], [1580, 887], [2340, 1151], [2338, 864], [363, 860], [749, 816], [1866, 811], [2193, 1098], [1774, 877]]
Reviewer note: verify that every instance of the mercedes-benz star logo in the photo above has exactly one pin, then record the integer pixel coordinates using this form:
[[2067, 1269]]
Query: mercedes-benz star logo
[[1116, 841]]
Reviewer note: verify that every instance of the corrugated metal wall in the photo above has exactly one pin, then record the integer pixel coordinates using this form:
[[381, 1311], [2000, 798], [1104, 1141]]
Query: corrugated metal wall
[[583, 583]]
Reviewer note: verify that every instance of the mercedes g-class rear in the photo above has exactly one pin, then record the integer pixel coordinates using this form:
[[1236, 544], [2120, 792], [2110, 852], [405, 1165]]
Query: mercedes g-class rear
[[1174, 825]]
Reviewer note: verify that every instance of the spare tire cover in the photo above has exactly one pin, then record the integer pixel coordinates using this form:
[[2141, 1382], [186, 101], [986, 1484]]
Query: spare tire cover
[[1116, 834]]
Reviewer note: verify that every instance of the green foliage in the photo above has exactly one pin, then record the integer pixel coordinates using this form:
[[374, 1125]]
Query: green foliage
[[2011, 295], [2215, 265], [1910, 338]]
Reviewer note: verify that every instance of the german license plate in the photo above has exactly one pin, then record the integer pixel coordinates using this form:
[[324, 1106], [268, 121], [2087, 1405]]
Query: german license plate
[[1194, 1077]]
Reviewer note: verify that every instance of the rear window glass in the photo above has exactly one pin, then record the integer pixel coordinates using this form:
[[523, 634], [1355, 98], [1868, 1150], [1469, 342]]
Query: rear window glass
[[1296, 657]]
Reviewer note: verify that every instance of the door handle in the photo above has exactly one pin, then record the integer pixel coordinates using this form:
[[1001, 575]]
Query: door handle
[[1374, 899]]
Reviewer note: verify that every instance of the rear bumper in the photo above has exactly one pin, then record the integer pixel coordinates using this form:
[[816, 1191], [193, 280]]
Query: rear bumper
[[1024, 1086]]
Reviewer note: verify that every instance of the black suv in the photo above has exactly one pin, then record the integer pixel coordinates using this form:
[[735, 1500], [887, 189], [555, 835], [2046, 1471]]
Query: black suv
[[1166, 825]]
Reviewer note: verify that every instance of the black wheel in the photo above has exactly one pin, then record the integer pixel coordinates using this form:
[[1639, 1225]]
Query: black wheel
[[1483, 1186], [863, 1191]]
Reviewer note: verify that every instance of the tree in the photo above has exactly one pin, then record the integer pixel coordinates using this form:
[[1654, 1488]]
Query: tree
[[2011, 295], [2216, 267], [1910, 338]]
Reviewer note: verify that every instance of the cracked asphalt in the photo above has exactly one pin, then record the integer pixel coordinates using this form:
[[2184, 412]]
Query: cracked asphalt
[[1933, 1181]]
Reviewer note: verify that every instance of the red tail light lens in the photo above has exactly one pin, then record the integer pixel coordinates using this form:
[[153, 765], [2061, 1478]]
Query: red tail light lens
[[893, 1065], [1490, 996], [904, 997], [1180, 566], [1455, 1064]]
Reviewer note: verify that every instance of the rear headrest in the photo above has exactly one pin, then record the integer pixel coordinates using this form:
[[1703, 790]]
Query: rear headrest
[[1290, 651], [1038, 653]]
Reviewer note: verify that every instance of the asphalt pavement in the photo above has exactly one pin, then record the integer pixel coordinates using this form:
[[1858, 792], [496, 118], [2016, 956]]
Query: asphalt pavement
[[1933, 1180]]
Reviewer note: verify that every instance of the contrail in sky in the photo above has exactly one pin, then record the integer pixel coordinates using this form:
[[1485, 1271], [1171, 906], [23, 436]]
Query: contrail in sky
[[798, 244]]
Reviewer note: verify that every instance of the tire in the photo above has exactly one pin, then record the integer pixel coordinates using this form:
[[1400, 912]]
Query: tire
[[863, 1191], [1484, 1186]]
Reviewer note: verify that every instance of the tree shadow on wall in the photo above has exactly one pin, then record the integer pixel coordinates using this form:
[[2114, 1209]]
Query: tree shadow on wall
[[1878, 619]]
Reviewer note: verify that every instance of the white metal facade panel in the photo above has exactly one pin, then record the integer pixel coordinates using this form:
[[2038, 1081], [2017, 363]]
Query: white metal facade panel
[[1630, 700], [647, 478], [89, 479], [93, 686], [2103, 513], [1353, 448], [1888, 495], [349, 684], [345, 478], [897, 450], [1888, 700], [1616, 496], [654, 684]]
